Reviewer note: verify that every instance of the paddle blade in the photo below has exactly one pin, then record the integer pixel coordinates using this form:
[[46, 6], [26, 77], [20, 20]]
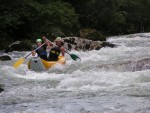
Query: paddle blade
[[18, 63], [74, 57]]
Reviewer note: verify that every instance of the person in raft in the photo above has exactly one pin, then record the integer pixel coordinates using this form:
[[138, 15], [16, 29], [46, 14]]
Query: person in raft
[[56, 49], [41, 52]]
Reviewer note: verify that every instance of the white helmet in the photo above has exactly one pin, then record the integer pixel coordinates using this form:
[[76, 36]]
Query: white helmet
[[59, 39]]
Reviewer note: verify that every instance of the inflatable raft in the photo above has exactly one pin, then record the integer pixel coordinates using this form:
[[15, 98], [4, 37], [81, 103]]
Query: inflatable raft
[[38, 64]]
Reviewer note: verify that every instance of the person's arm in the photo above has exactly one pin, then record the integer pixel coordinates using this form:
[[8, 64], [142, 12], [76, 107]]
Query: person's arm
[[62, 51], [44, 38], [49, 44], [33, 53]]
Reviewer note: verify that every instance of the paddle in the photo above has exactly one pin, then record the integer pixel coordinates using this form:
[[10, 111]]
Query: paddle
[[73, 56], [21, 60]]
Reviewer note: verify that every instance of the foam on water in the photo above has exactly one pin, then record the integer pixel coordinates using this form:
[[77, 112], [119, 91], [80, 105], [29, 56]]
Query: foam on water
[[111, 80]]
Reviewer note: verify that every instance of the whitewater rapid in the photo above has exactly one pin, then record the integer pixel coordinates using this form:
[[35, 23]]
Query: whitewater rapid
[[111, 80]]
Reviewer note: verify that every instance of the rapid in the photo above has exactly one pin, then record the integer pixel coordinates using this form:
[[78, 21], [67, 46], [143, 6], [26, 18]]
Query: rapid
[[111, 80]]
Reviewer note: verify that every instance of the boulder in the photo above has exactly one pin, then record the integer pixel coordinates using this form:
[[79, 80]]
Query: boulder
[[19, 46], [5, 57], [84, 44], [107, 44], [1, 89], [69, 44]]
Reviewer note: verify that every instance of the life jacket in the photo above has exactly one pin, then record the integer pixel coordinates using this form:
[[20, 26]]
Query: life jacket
[[41, 51], [54, 53]]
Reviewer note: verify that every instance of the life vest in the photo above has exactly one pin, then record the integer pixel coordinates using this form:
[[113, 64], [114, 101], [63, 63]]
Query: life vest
[[41, 51], [54, 53]]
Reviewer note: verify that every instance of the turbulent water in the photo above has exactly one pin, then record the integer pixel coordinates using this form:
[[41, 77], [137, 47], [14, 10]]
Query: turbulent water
[[111, 80]]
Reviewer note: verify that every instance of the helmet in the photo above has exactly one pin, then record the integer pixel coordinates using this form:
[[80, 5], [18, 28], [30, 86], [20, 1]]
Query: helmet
[[38, 40], [58, 39]]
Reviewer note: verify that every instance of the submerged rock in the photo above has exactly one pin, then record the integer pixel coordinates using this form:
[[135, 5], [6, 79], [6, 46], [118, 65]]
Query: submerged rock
[[4, 58], [129, 65], [107, 44], [1, 89]]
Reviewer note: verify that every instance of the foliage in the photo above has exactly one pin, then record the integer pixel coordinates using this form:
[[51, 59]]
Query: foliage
[[29, 19], [92, 34], [24, 19], [113, 17]]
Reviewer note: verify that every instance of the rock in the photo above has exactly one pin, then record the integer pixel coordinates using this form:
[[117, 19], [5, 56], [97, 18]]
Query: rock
[[1, 89], [19, 46], [107, 44], [69, 44], [84, 44], [130, 65], [92, 34], [5, 57]]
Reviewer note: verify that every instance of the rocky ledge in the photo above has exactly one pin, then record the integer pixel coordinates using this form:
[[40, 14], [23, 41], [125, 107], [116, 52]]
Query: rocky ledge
[[19, 46], [69, 43], [84, 44]]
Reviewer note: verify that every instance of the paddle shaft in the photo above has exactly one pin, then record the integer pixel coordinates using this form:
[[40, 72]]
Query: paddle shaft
[[66, 52], [56, 45], [73, 56], [35, 50]]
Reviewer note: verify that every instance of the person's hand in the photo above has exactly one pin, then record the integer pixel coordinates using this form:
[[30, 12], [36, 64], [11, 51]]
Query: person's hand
[[44, 38], [62, 49], [33, 53], [47, 41]]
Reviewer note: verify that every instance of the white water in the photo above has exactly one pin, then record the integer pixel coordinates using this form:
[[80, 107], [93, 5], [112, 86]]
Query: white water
[[111, 80]]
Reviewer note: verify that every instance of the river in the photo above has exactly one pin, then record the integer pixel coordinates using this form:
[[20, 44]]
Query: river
[[111, 80]]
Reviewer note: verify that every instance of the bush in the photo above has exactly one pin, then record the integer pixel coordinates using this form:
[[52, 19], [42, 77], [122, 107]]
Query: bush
[[5, 41], [92, 34]]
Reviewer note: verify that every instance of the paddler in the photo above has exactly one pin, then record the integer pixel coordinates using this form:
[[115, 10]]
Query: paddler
[[56, 49], [41, 52]]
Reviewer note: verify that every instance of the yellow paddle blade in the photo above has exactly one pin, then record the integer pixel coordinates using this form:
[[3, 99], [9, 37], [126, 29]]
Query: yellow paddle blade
[[18, 63]]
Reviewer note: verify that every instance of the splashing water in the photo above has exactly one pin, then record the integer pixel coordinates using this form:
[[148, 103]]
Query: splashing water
[[111, 80]]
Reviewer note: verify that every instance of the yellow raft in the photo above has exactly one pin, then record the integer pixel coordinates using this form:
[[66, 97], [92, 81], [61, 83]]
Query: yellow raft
[[38, 64]]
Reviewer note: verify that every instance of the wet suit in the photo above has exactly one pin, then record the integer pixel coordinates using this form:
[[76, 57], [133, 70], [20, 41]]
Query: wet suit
[[42, 52], [54, 53]]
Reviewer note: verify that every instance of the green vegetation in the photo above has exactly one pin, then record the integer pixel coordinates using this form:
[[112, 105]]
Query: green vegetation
[[29, 19], [92, 34]]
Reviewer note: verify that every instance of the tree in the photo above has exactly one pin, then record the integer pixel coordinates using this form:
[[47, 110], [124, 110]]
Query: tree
[[21, 19]]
